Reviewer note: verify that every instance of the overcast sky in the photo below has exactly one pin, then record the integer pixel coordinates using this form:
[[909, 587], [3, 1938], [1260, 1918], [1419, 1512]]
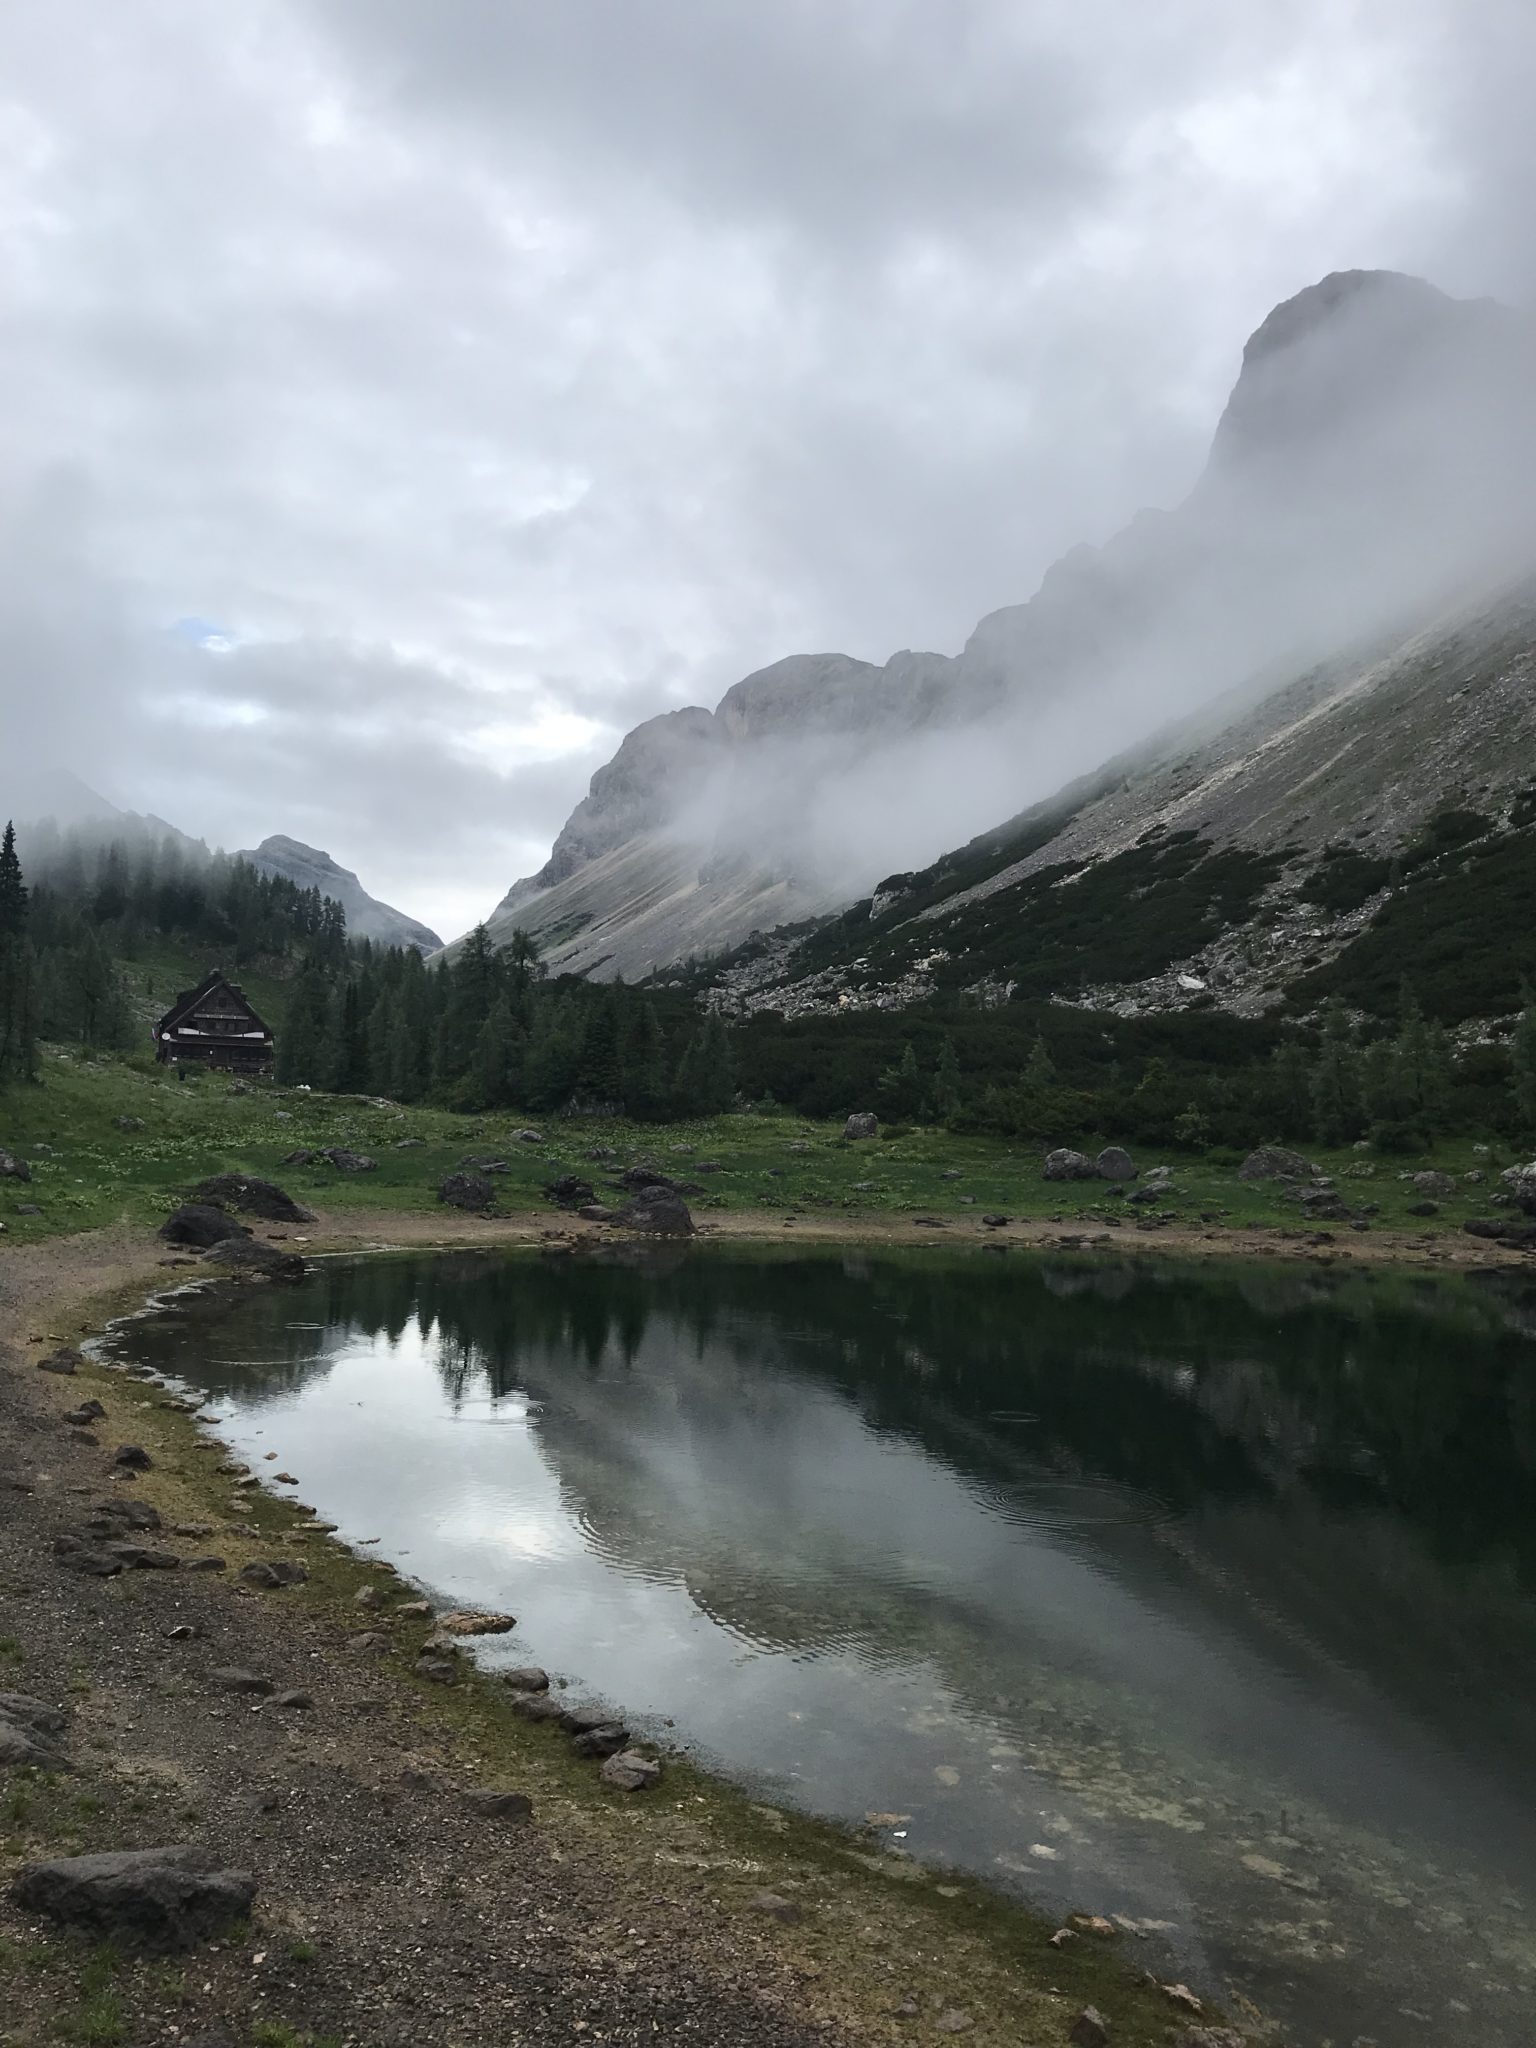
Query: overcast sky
[[405, 397]]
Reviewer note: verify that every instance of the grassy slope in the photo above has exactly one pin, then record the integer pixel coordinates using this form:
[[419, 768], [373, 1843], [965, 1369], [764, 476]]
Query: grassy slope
[[87, 1171]]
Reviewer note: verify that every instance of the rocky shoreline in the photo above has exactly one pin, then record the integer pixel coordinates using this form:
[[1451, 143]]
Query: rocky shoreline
[[428, 1863]]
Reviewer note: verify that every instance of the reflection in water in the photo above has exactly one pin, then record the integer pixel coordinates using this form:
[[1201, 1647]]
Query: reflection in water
[[1203, 1596]]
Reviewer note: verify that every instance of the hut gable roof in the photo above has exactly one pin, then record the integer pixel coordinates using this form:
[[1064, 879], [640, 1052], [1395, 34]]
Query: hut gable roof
[[219, 1006]]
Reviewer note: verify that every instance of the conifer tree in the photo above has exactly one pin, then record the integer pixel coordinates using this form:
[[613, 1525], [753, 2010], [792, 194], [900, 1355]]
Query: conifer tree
[[706, 1077], [947, 1093], [645, 1062], [18, 1017], [901, 1086], [1336, 1102], [1039, 1068], [496, 1070]]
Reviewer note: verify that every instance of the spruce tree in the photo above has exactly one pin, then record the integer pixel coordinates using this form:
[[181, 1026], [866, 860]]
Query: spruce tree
[[645, 1063], [18, 1012], [947, 1093], [1290, 1083], [901, 1087], [1336, 1102], [706, 1076], [1039, 1068], [496, 1069]]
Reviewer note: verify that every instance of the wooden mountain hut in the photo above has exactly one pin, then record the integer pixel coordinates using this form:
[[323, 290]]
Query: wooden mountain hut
[[214, 1025]]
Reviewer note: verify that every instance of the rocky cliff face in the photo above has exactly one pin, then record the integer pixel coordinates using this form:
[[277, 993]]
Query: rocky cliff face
[[1375, 462], [367, 918]]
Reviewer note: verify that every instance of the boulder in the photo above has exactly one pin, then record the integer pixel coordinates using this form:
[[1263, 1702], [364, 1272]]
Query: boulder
[[250, 1255], [596, 1212], [1438, 1185], [537, 1706], [529, 1137], [13, 1168], [467, 1191], [348, 1162], [629, 1771], [1521, 1237], [570, 1191], [526, 1678], [1090, 2029], [27, 1729], [1152, 1192], [1274, 1162], [1520, 1182], [200, 1224], [1114, 1163], [659, 1211], [301, 1155], [65, 1361], [1064, 1164], [1421, 1209], [280, 1572], [132, 1458], [163, 1898], [249, 1196], [861, 1125]]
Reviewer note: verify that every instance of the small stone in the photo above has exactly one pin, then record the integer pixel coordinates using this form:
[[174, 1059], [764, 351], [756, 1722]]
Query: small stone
[[437, 1670], [1063, 1938], [493, 1805], [413, 1610], [1181, 1996], [954, 2022], [368, 1596], [1211, 2037], [368, 1644], [1090, 2029], [293, 1699], [909, 2009], [629, 1771], [586, 1715], [205, 1564], [234, 1678], [132, 1458], [472, 1622], [1095, 1923], [87, 1413], [183, 1632], [776, 1907], [605, 1741], [281, 1571], [538, 1706], [62, 1361]]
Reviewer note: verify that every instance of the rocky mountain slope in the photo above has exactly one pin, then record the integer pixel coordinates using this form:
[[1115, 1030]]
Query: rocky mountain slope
[[367, 918], [1371, 822], [1373, 465]]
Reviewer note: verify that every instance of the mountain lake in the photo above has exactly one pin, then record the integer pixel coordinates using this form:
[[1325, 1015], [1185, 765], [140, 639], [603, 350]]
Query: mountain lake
[[1198, 1595]]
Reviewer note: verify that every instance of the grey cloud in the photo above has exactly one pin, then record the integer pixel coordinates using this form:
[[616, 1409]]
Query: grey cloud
[[490, 361]]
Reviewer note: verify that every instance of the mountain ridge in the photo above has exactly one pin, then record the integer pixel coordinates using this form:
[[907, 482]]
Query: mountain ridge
[[367, 917], [1370, 465]]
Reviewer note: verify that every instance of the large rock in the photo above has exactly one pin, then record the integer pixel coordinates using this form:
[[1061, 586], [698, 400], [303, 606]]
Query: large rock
[[629, 1771], [467, 1191], [27, 1729], [1274, 1162], [862, 1125], [1521, 1184], [1521, 1237], [13, 1168], [250, 1255], [659, 1211], [570, 1191], [1064, 1164], [1114, 1163], [251, 1197], [1438, 1185], [163, 1898], [348, 1162], [199, 1224]]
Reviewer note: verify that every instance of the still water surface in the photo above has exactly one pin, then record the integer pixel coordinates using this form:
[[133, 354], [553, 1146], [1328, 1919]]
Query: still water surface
[[1201, 1596]]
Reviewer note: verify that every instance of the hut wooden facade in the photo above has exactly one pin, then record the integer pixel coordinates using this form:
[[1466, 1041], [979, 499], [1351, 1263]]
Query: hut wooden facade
[[214, 1025]]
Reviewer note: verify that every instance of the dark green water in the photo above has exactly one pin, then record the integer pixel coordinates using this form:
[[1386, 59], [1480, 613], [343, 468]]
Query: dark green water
[[1201, 1595]]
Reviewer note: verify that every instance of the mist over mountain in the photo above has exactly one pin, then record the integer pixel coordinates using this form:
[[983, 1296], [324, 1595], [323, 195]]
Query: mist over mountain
[[367, 918], [1372, 468]]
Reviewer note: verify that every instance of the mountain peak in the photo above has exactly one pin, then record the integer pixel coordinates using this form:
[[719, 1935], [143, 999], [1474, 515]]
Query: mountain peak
[[307, 867]]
